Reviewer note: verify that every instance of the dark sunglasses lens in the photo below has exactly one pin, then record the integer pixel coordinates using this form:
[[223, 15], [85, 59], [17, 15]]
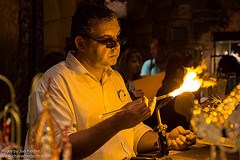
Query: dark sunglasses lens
[[111, 44]]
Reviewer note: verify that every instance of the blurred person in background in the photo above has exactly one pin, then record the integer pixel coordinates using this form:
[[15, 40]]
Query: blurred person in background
[[46, 63], [158, 60], [50, 60], [229, 69], [129, 66]]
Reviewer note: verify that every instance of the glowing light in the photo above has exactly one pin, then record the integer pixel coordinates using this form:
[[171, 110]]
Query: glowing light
[[192, 81], [222, 139], [221, 113], [208, 120]]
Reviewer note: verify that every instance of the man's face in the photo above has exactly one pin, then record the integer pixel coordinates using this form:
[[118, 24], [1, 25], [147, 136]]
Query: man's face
[[97, 54]]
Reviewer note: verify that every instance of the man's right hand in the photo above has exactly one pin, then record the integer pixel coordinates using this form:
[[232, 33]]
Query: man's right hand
[[136, 112]]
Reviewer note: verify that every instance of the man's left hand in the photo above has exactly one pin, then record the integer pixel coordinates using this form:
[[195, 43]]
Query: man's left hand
[[180, 139]]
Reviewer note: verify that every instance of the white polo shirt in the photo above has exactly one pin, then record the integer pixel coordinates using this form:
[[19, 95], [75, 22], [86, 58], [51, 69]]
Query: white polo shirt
[[77, 99]]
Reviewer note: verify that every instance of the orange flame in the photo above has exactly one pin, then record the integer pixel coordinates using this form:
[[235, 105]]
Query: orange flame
[[192, 81]]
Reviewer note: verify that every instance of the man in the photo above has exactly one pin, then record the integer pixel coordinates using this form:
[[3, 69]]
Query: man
[[84, 87], [158, 61]]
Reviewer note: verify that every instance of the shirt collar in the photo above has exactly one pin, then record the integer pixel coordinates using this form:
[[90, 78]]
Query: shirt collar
[[79, 68], [75, 64]]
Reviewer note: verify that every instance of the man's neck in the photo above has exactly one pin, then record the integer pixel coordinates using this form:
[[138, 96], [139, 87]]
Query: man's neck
[[96, 71], [90, 67]]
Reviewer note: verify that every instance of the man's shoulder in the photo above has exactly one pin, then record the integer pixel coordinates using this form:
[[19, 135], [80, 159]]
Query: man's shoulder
[[60, 68], [58, 73], [116, 74]]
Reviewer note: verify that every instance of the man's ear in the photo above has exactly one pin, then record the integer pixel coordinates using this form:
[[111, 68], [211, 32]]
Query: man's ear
[[80, 43]]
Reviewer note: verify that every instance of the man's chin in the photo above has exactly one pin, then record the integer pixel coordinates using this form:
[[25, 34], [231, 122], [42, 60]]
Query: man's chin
[[112, 64]]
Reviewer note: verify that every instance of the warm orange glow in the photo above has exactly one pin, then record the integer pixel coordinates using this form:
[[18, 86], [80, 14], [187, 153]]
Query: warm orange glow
[[192, 81]]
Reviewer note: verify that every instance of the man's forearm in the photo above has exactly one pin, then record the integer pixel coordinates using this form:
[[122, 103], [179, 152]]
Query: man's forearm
[[148, 142], [86, 142]]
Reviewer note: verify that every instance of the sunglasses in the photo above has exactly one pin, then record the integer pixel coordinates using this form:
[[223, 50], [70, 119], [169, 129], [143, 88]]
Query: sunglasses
[[109, 42]]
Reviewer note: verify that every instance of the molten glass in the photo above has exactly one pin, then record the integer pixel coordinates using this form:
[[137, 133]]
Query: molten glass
[[192, 80]]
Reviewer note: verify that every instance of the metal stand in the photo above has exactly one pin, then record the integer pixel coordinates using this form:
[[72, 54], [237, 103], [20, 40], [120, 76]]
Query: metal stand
[[161, 129]]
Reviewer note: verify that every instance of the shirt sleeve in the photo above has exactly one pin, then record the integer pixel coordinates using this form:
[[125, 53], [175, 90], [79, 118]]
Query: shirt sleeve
[[139, 130], [145, 70], [62, 113]]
